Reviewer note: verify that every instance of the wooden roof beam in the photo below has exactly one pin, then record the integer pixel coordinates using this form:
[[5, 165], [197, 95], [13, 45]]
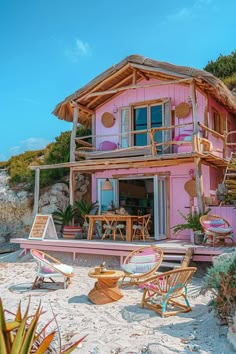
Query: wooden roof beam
[[113, 91], [117, 73], [128, 78]]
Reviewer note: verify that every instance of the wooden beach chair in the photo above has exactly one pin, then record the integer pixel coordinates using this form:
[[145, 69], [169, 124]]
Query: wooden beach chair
[[166, 289], [49, 268], [140, 264]]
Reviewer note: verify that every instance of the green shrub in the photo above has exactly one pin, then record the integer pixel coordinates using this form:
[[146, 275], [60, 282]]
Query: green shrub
[[221, 281]]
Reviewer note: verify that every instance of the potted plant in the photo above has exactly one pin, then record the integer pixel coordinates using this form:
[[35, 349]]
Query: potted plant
[[192, 222], [65, 219], [81, 209]]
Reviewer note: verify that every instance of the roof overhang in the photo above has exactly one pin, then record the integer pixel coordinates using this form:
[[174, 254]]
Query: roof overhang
[[127, 75]]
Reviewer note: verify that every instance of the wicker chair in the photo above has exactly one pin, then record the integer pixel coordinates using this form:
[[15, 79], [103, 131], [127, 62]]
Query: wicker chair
[[217, 229], [140, 264], [140, 230], [166, 289], [49, 268]]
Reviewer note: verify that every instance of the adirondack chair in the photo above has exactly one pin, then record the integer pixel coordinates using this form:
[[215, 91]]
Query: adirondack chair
[[49, 268], [140, 264], [166, 289]]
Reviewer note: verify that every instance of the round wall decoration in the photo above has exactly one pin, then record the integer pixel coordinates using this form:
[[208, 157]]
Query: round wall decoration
[[190, 187], [182, 110], [108, 120]]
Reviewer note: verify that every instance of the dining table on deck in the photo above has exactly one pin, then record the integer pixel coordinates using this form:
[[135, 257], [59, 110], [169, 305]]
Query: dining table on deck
[[128, 219]]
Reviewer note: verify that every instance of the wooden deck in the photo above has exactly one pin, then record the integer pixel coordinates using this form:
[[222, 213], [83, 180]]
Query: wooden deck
[[174, 250]]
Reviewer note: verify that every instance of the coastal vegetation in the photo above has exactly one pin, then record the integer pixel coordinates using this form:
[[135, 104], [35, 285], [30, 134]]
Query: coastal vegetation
[[56, 152], [224, 67]]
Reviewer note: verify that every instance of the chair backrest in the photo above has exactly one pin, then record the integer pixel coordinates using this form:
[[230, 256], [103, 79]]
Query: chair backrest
[[45, 260], [175, 280], [152, 254], [211, 220]]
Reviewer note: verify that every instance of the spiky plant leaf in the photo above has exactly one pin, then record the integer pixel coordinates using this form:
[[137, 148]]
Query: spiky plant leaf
[[30, 332], [3, 327], [17, 344], [3, 346], [45, 343], [73, 346]]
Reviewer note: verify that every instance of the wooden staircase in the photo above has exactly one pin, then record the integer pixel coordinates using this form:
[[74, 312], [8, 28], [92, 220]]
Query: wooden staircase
[[230, 176]]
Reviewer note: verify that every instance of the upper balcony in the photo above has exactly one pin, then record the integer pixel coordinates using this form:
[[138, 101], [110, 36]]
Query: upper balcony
[[160, 142]]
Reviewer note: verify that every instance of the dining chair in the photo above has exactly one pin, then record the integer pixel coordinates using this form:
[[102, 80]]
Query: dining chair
[[141, 227], [111, 227]]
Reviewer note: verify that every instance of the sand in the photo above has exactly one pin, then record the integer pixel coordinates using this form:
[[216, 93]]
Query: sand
[[119, 327]]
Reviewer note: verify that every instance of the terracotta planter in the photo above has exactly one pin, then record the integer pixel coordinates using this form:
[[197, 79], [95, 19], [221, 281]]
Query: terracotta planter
[[71, 232]]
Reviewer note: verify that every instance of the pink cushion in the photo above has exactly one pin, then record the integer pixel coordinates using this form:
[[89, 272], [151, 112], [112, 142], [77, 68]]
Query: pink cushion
[[107, 145], [47, 270], [214, 223]]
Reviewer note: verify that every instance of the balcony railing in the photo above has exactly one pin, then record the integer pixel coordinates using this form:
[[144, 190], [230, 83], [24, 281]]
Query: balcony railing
[[175, 139]]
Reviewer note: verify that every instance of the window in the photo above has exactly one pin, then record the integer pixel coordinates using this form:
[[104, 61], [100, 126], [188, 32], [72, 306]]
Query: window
[[216, 121], [124, 127], [219, 122], [152, 116]]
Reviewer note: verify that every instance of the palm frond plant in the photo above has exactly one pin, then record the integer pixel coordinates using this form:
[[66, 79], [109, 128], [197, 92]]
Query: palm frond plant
[[21, 334], [192, 222], [82, 208], [64, 217]]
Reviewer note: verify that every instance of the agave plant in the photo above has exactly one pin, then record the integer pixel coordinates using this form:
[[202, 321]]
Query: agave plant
[[21, 336]]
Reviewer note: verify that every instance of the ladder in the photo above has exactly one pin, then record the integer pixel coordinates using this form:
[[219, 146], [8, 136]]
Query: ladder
[[230, 176]]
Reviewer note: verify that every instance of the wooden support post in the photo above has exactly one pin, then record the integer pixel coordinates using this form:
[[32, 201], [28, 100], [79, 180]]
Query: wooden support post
[[195, 115], [72, 186], [199, 185], [93, 130], [36, 191], [73, 132]]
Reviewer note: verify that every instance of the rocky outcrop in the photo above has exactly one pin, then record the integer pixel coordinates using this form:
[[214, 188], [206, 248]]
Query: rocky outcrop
[[16, 205]]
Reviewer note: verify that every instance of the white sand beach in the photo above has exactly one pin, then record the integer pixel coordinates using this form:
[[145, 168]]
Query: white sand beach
[[119, 327]]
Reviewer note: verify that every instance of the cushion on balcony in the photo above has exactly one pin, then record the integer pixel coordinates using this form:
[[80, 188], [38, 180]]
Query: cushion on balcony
[[107, 145]]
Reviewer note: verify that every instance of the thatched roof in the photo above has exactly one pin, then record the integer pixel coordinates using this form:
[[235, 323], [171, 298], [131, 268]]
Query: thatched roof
[[114, 80]]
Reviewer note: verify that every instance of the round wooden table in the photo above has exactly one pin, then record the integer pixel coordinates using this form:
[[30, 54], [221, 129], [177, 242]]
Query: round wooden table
[[105, 289]]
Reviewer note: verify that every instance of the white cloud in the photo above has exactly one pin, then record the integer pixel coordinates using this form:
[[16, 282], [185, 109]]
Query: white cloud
[[80, 49], [191, 11], [28, 144]]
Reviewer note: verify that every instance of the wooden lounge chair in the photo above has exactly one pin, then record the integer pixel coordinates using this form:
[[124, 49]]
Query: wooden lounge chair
[[140, 264], [49, 268], [165, 289], [217, 229]]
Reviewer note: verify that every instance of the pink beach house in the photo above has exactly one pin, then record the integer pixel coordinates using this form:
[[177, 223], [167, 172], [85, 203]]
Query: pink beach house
[[162, 135]]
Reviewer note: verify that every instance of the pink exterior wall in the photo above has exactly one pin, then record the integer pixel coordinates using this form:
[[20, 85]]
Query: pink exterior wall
[[176, 93], [179, 198]]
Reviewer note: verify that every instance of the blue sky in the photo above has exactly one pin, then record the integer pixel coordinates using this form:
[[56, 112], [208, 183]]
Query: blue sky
[[50, 48]]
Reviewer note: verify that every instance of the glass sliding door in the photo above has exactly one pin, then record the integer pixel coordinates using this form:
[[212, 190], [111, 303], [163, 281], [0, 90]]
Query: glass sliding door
[[160, 207]]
